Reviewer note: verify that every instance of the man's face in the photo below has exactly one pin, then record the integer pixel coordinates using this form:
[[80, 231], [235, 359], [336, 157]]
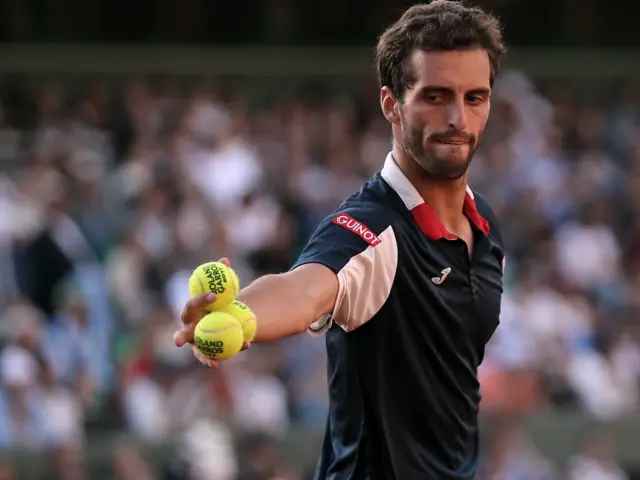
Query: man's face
[[445, 110]]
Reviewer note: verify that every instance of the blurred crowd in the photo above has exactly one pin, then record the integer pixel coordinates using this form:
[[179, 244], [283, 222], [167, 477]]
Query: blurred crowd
[[111, 193]]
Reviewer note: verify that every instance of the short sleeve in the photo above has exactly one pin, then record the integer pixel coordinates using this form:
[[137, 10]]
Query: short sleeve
[[359, 245]]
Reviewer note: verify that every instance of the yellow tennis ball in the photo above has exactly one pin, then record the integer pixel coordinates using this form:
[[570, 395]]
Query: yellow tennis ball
[[218, 278], [218, 336], [245, 316]]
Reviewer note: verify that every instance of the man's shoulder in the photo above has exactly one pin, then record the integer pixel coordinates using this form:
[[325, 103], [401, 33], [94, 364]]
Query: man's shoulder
[[375, 204], [355, 226], [357, 213]]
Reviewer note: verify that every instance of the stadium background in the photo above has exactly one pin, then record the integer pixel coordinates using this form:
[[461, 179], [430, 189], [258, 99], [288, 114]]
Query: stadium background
[[140, 138]]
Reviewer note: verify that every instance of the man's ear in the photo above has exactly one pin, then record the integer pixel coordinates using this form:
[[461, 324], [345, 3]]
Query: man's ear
[[390, 106]]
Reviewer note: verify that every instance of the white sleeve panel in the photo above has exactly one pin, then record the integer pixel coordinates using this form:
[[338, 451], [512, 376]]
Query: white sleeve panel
[[365, 282]]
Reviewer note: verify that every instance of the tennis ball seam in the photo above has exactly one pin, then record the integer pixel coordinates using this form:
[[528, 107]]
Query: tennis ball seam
[[220, 340], [220, 330], [200, 282], [251, 319]]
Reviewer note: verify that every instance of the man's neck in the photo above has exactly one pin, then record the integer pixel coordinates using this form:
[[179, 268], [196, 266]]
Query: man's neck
[[444, 197]]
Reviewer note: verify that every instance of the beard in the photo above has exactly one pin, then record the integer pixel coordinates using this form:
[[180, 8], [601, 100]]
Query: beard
[[440, 160]]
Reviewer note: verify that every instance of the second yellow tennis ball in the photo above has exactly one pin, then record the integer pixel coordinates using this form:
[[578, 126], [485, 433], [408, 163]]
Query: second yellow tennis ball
[[245, 316], [218, 278], [218, 336]]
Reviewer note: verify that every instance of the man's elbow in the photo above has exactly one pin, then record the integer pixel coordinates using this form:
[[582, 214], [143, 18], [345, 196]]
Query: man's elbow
[[319, 299], [300, 327], [311, 292], [310, 312]]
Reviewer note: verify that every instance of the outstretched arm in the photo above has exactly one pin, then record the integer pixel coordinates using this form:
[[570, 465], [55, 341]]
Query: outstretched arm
[[288, 303], [285, 304], [347, 269]]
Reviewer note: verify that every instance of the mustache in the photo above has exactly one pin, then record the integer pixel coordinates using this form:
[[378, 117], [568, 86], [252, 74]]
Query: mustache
[[453, 134]]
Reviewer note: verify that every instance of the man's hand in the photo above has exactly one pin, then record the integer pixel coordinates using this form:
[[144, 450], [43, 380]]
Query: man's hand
[[192, 312]]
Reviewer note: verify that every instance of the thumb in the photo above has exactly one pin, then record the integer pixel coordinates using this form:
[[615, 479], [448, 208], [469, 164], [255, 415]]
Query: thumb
[[182, 337]]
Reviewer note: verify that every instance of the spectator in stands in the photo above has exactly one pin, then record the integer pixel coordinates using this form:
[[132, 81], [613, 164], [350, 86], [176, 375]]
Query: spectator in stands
[[594, 460]]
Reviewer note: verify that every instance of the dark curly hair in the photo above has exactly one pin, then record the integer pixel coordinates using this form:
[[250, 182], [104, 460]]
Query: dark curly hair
[[439, 25]]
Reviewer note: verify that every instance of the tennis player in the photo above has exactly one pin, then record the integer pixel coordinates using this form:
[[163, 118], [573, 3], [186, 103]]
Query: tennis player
[[404, 279]]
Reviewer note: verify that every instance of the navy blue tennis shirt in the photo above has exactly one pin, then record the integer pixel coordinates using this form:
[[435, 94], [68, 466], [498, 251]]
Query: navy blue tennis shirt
[[407, 333]]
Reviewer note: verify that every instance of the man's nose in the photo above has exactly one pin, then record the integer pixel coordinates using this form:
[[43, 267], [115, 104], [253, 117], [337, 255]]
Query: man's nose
[[457, 116]]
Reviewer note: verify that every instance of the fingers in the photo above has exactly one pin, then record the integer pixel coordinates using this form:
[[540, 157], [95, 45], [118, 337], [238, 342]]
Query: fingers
[[207, 362], [191, 314], [226, 261], [194, 309]]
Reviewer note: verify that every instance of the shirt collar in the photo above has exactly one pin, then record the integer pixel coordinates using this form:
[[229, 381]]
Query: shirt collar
[[424, 215]]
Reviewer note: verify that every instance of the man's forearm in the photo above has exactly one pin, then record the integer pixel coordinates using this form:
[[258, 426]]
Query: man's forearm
[[287, 304]]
